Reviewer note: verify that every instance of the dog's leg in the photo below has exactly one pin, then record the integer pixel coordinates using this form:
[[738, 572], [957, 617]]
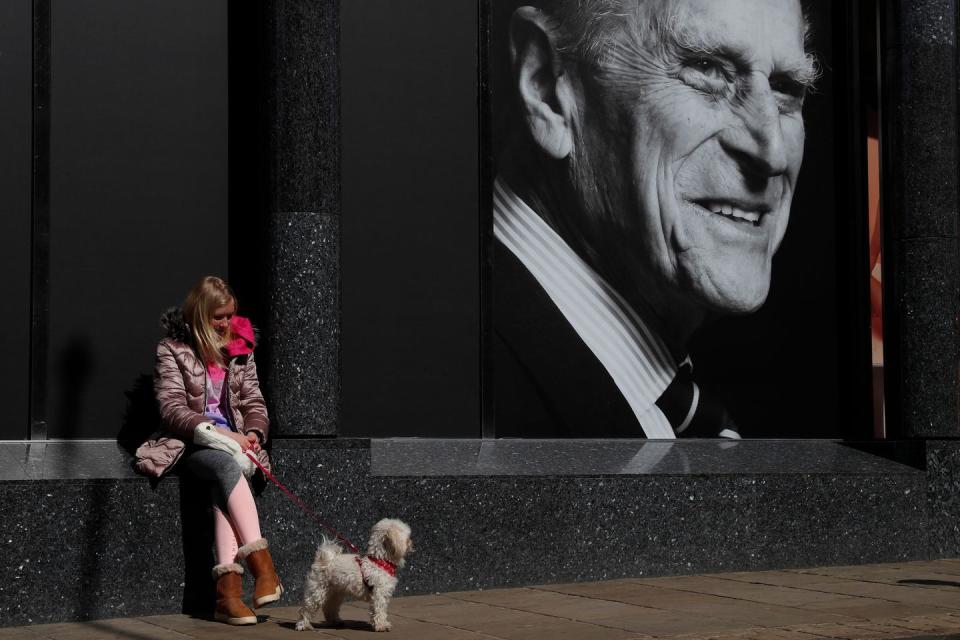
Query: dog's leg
[[378, 610], [304, 622], [331, 607], [312, 602]]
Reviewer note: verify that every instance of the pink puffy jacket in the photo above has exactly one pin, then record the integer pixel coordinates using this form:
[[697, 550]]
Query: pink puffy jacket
[[180, 382]]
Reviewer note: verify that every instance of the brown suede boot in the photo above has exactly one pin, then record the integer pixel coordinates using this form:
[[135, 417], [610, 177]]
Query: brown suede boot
[[230, 607], [267, 586]]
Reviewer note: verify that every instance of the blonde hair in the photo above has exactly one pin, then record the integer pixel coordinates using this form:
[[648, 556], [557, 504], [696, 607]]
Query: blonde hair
[[202, 300]]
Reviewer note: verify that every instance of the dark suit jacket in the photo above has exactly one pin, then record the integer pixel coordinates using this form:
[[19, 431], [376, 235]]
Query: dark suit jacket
[[547, 382]]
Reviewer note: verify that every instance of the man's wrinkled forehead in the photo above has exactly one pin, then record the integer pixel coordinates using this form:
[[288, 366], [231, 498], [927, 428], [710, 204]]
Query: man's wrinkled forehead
[[685, 23]]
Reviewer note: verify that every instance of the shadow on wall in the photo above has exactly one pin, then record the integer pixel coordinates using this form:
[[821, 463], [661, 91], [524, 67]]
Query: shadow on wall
[[73, 367], [931, 583], [141, 420]]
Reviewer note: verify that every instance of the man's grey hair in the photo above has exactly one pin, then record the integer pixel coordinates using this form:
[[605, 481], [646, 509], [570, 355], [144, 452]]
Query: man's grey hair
[[588, 29]]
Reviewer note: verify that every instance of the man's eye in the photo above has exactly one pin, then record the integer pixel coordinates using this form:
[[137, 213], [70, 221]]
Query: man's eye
[[709, 67], [790, 94], [707, 75]]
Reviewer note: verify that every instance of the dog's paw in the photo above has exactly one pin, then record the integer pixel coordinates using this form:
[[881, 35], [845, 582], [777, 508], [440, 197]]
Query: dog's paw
[[303, 625], [382, 627]]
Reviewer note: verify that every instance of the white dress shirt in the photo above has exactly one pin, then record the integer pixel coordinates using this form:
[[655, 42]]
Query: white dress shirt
[[636, 358]]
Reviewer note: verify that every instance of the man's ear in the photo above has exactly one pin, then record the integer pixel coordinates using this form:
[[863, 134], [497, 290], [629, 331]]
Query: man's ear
[[546, 96]]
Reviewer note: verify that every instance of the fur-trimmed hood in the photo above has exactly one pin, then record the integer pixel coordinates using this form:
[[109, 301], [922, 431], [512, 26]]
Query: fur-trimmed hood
[[175, 325]]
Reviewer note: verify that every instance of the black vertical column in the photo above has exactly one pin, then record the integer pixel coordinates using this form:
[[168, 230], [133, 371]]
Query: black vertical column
[[303, 292], [921, 201], [15, 218], [40, 220]]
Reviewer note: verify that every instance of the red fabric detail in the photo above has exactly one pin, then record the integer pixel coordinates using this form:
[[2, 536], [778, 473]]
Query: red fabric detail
[[243, 337], [387, 566]]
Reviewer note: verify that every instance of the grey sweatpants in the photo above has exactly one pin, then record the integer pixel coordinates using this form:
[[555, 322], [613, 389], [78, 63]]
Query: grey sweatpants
[[216, 466]]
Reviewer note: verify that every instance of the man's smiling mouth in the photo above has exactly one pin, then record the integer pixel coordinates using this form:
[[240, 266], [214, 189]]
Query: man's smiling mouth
[[742, 213]]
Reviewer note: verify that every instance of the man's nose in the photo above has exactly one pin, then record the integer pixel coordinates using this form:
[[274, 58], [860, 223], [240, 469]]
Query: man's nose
[[757, 140]]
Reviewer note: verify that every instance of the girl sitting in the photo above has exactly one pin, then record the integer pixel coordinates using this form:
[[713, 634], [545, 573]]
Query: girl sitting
[[210, 404]]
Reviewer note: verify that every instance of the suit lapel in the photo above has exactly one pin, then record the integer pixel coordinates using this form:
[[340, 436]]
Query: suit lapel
[[547, 382]]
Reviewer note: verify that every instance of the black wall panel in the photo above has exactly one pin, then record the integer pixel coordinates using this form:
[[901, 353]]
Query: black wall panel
[[15, 153], [410, 246], [138, 191]]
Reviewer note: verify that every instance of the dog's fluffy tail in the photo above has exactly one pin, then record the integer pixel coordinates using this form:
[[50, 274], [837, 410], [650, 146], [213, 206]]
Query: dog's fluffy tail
[[327, 552]]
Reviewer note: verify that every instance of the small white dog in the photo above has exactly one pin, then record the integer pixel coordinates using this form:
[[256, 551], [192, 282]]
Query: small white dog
[[335, 575]]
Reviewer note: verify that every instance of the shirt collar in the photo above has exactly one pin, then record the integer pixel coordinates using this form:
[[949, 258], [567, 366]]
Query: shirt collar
[[635, 357]]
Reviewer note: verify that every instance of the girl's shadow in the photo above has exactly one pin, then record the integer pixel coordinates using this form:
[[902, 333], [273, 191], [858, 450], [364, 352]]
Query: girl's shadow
[[140, 421], [931, 583]]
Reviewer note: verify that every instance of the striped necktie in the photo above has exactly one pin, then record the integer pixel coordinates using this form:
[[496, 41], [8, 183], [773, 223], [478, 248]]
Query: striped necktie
[[690, 413]]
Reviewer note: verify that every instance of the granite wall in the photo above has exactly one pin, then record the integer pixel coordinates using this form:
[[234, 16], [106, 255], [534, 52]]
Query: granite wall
[[303, 147], [921, 200], [99, 548]]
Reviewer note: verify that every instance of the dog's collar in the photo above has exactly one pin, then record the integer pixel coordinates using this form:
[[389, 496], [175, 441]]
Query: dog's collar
[[386, 565]]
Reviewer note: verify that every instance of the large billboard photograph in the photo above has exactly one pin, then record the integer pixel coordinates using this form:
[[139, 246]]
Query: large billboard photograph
[[666, 218]]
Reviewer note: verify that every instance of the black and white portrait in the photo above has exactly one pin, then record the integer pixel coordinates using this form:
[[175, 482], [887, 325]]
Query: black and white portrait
[[647, 155]]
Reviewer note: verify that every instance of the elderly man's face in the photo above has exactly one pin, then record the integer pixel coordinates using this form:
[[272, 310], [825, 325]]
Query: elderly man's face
[[691, 142]]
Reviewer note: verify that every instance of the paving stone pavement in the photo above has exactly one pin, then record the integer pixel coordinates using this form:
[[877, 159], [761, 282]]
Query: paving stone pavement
[[917, 600]]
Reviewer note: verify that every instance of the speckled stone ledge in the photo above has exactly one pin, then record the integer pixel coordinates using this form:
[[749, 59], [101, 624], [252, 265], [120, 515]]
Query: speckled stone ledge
[[427, 457], [128, 543], [103, 459], [448, 457], [288, 443], [943, 481], [63, 460]]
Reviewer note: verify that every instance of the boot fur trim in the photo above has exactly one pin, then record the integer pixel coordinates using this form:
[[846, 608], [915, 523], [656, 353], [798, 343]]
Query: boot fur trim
[[223, 569], [253, 547]]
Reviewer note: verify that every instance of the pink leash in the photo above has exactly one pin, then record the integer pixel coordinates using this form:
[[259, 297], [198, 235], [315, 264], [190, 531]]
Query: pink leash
[[296, 500]]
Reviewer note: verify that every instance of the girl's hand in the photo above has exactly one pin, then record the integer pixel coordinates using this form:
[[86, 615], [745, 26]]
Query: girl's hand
[[240, 439], [253, 442]]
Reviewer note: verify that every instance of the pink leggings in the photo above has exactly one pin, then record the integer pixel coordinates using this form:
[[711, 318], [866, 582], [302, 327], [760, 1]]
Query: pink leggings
[[235, 519], [239, 525]]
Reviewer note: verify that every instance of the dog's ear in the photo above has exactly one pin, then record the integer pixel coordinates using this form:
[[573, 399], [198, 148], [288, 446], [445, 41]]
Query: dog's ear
[[394, 542]]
